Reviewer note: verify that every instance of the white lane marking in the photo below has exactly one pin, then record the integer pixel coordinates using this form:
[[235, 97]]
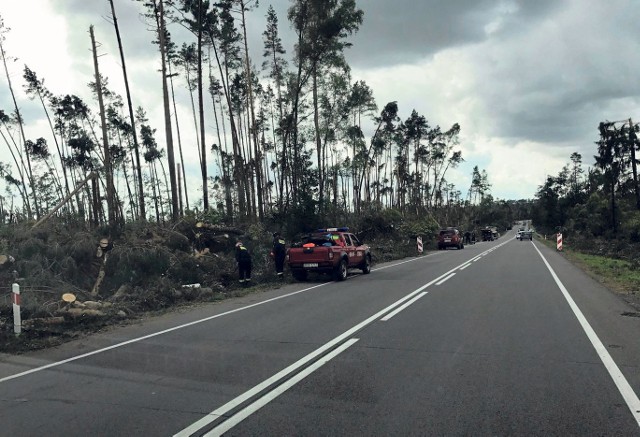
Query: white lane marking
[[175, 328], [623, 385], [397, 310], [224, 409], [442, 281], [464, 266], [255, 406]]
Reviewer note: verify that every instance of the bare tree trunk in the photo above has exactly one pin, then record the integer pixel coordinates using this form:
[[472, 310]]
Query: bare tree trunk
[[175, 115], [24, 139], [105, 138], [136, 148], [316, 123], [203, 146], [167, 113], [252, 125], [238, 171], [634, 167]]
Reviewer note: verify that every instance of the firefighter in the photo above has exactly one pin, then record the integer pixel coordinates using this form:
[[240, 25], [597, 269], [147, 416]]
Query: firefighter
[[279, 253], [244, 263]]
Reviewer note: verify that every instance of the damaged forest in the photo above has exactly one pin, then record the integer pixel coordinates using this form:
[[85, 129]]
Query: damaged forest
[[104, 219], [111, 210]]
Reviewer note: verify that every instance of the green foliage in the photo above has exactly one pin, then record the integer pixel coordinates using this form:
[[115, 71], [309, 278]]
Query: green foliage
[[377, 223], [135, 266], [631, 226], [593, 216], [424, 226], [623, 274]]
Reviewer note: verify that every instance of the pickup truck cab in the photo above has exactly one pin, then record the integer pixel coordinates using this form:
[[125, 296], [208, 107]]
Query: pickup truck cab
[[333, 251]]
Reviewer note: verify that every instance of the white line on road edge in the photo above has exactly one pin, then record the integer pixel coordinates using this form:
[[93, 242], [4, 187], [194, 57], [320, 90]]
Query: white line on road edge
[[175, 328], [397, 310], [618, 378], [464, 266], [442, 281], [264, 400]]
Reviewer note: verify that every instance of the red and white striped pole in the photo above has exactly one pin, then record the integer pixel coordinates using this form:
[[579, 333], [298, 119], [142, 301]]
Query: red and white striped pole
[[559, 242], [17, 321], [419, 241]]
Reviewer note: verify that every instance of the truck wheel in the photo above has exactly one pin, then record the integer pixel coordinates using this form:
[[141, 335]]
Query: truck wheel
[[341, 271], [299, 275], [366, 266]]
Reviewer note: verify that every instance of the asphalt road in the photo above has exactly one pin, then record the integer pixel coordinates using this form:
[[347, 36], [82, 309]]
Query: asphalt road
[[501, 338]]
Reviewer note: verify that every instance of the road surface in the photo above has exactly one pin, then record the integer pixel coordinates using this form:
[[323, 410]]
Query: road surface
[[500, 338]]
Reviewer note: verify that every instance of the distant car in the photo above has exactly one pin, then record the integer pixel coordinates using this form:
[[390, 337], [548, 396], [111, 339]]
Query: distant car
[[526, 235], [450, 237], [487, 235], [519, 235]]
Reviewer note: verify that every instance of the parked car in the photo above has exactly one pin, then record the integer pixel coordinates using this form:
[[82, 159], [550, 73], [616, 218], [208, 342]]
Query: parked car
[[333, 251], [487, 235], [450, 237]]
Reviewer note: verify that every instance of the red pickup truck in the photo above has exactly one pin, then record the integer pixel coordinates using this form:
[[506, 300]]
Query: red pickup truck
[[332, 250]]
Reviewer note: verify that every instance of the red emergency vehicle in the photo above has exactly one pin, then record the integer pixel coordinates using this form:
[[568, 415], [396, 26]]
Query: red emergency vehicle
[[333, 251]]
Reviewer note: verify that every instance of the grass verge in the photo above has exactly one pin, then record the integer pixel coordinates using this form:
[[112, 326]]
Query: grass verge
[[620, 276]]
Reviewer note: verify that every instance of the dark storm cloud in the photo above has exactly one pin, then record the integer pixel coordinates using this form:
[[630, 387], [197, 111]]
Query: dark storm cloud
[[406, 31], [555, 81]]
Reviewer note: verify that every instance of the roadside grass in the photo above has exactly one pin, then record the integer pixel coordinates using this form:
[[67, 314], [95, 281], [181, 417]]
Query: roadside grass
[[619, 275]]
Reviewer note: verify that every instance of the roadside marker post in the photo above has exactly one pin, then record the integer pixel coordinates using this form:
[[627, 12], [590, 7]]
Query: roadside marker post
[[419, 241], [559, 242], [17, 321]]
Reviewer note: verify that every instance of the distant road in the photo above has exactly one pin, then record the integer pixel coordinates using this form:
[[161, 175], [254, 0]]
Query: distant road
[[500, 338]]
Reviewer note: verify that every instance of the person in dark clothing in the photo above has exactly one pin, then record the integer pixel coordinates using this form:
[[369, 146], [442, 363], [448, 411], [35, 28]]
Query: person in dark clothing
[[279, 253], [244, 263]]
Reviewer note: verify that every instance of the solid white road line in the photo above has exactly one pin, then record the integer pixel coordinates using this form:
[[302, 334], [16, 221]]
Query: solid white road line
[[264, 400], [442, 281], [624, 388], [397, 310], [464, 266]]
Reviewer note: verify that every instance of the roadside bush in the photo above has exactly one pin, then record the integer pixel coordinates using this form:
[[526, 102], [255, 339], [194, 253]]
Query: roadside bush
[[631, 227], [134, 266]]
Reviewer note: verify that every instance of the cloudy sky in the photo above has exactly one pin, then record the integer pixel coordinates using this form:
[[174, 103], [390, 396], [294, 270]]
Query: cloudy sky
[[528, 81]]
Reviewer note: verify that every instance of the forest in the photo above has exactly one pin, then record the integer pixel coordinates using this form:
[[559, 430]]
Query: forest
[[288, 152], [288, 142], [100, 205]]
